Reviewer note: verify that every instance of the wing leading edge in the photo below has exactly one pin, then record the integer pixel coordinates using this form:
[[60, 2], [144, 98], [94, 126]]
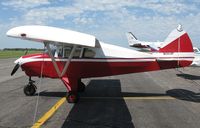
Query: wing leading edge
[[52, 34]]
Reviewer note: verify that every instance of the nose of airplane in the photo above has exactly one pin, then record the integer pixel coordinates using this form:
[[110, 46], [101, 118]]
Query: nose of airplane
[[18, 61]]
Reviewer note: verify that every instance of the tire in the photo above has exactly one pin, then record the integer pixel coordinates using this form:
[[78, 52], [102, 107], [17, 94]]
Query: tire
[[29, 90], [72, 97]]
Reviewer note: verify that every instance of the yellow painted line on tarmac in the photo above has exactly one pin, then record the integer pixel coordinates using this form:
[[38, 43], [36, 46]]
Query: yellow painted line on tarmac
[[133, 98], [48, 114], [150, 98]]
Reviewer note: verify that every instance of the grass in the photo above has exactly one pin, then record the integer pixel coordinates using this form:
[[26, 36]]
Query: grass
[[15, 53]]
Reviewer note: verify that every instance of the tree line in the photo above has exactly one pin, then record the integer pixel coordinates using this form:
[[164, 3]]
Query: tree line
[[22, 49]]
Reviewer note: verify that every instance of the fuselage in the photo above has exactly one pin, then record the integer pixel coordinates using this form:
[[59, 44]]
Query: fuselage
[[106, 60]]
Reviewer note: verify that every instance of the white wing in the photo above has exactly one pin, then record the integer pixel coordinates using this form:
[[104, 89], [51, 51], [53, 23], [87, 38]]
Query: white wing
[[52, 34]]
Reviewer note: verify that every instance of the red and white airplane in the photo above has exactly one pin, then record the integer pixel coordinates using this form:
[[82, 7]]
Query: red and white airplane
[[71, 56]]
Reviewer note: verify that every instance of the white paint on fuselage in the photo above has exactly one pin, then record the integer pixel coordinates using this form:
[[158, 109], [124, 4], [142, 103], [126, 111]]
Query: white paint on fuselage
[[109, 50]]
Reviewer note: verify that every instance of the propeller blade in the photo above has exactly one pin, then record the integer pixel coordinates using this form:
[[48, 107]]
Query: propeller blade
[[26, 52], [15, 69]]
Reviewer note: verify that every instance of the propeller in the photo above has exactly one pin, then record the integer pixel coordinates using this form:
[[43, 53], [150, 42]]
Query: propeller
[[15, 69], [17, 65]]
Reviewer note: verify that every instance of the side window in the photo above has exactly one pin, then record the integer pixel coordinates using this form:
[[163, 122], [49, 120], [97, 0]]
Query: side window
[[80, 52], [88, 53], [67, 51], [77, 53]]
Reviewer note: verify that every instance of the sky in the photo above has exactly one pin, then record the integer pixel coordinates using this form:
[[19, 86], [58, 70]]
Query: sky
[[107, 20]]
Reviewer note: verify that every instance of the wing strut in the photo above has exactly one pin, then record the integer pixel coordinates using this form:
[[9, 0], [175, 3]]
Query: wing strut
[[69, 60], [53, 59], [60, 74]]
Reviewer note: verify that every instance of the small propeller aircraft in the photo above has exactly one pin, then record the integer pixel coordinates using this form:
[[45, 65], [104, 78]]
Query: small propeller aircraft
[[145, 45], [196, 60], [71, 56], [142, 45]]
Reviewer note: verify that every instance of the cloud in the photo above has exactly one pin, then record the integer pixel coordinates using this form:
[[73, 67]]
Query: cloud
[[170, 7], [116, 9], [109, 20], [46, 15], [83, 20], [24, 4]]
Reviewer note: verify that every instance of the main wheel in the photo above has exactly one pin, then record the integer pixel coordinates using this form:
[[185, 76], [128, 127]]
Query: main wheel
[[29, 90], [72, 97], [81, 87]]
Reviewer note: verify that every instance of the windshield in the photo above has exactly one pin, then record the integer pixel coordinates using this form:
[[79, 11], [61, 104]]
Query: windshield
[[53, 49]]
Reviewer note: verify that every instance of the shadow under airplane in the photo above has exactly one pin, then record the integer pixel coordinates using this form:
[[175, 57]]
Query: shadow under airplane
[[100, 113], [94, 111]]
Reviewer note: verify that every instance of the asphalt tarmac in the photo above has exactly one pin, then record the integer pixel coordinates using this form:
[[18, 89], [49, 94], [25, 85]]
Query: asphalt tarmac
[[161, 99]]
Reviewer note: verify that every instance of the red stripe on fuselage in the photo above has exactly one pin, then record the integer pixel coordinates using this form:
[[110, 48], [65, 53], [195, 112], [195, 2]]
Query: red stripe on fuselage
[[84, 69]]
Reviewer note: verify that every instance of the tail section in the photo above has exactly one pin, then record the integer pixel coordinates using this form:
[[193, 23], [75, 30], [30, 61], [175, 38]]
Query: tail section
[[177, 41], [177, 50], [132, 40]]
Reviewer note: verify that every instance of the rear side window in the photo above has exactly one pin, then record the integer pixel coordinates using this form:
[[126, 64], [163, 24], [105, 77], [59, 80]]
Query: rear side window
[[67, 51], [77, 53], [88, 53]]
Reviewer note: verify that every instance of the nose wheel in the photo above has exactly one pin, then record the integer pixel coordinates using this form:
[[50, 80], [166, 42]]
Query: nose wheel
[[30, 88]]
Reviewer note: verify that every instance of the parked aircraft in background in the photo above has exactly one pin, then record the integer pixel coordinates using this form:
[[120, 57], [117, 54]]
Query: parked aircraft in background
[[71, 56], [142, 45], [146, 45], [196, 61]]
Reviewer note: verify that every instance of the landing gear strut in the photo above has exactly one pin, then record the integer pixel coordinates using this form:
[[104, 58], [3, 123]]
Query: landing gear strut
[[30, 88]]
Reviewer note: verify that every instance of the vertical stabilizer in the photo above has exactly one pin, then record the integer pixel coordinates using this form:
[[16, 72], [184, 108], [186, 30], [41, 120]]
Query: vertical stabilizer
[[132, 40], [177, 41]]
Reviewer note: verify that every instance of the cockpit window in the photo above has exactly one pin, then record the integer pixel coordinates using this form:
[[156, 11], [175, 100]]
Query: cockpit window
[[53, 49], [65, 52]]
